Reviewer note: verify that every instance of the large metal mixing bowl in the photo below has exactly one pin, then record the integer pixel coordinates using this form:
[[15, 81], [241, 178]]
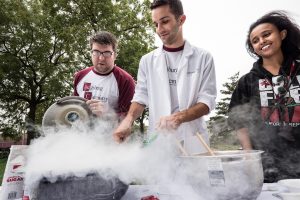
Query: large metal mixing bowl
[[229, 175]]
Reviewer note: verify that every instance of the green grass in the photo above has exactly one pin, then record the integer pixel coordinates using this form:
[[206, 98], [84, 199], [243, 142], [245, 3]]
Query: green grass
[[2, 168], [225, 147], [225, 142]]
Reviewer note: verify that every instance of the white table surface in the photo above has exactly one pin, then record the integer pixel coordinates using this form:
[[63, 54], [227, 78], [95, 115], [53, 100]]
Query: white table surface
[[136, 192], [269, 189]]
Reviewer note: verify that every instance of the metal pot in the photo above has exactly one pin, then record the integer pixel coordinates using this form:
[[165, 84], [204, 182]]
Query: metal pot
[[91, 187], [229, 175], [67, 111]]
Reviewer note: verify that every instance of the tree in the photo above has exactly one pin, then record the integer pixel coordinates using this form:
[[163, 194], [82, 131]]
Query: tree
[[222, 105], [43, 42], [218, 123], [140, 122]]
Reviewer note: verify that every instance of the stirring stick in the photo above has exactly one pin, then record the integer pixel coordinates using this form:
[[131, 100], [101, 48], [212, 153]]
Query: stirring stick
[[204, 144], [183, 151]]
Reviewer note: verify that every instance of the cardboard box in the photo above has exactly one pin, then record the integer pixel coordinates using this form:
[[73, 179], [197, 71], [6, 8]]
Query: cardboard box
[[13, 178]]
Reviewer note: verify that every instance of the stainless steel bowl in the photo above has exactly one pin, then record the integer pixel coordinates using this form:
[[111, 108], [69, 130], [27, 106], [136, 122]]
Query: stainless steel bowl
[[229, 175]]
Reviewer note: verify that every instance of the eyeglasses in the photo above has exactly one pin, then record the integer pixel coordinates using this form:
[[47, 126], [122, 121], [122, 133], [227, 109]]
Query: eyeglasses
[[105, 54]]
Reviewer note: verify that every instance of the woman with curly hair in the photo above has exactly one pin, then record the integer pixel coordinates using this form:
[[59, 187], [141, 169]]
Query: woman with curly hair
[[265, 105]]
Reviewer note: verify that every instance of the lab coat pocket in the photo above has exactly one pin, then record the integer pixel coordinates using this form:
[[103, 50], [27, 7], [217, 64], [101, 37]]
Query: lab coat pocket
[[192, 70]]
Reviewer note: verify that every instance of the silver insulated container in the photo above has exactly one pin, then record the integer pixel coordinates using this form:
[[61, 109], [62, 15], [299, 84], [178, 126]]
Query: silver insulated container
[[66, 112]]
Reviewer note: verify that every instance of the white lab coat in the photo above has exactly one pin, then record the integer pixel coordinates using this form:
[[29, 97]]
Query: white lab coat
[[196, 82]]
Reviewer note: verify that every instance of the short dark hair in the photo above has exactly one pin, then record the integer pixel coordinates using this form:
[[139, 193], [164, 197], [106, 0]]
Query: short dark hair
[[105, 38], [175, 6], [291, 44]]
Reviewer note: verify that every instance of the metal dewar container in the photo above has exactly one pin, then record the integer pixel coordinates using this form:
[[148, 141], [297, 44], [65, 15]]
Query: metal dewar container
[[229, 175], [66, 111]]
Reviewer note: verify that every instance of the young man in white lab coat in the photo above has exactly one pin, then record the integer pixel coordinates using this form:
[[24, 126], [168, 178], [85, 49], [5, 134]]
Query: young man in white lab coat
[[176, 81]]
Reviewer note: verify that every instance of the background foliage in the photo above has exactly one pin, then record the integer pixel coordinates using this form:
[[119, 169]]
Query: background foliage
[[222, 137], [43, 43]]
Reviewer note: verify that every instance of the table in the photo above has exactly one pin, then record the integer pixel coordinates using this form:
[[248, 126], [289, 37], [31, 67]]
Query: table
[[269, 189], [135, 192]]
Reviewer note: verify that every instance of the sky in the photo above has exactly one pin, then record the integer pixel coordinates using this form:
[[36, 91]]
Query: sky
[[221, 27]]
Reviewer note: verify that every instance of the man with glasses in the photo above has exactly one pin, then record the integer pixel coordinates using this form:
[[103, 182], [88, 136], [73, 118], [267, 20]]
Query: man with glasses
[[107, 87]]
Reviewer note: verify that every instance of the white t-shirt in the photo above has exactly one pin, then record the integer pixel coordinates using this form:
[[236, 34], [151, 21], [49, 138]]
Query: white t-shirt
[[114, 89], [172, 62]]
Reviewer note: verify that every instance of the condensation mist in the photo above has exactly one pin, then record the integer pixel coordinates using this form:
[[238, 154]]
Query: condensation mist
[[79, 151]]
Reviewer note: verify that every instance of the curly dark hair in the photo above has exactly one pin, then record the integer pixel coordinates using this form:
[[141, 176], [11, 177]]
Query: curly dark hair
[[290, 45], [175, 6]]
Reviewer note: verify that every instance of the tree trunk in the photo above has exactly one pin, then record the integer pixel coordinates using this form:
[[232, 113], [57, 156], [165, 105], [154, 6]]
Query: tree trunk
[[30, 124]]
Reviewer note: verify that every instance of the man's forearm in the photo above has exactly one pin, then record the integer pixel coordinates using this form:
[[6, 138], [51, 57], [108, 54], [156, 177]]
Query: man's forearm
[[190, 114], [135, 111]]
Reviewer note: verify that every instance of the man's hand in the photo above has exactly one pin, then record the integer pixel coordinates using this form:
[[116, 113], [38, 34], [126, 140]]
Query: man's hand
[[123, 131], [171, 122], [97, 107]]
